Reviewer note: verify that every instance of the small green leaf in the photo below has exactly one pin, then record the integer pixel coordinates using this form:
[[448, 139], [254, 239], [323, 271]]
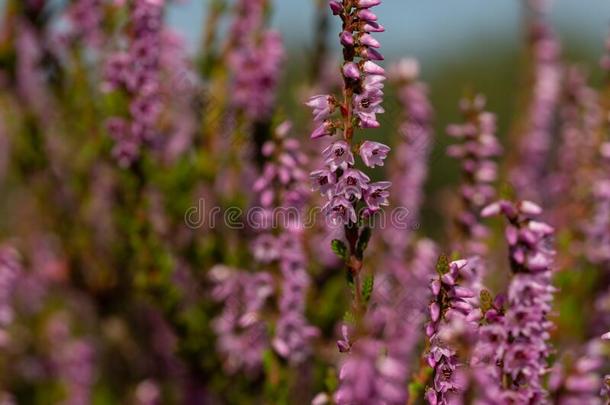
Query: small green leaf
[[442, 265], [339, 248], [367, 288], [330, 382], [363, 241], [486, 300], [349, 318], [506, 191]]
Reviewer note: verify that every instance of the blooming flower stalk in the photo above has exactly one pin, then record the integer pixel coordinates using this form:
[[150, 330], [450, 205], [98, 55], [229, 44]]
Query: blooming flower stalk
[[580, 117], [530, 294], [535, 140], [410, 163], [281, 184], [450, 308], [378, 366], [368, 376], [10, 271], [73, 359], [86, 18], [137, 72], [488, 349], [475, 152], [349, 192], [598, 229], [255, 60], [242, 334], [577, 381]]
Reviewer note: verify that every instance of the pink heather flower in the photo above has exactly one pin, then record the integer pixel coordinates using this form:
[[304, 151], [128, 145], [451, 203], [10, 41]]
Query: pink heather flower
[[377, 194], [141, 81], [536, 139], [255, 60], [368, 3], [352, 184], [326, 128], [578, 381], [72, 359], [530, 295], [86, 18], [282, 177], [323, 180], [10, 272], [336, 6], [477, 147], [340, 211], [265, 248], [322, 105], [372, 68], [399, 306], [451, 313], [361, 381], [373, 153], [351, 71], [409, 168], [597, 229], [242, 336], [580, 117], [338, 156]]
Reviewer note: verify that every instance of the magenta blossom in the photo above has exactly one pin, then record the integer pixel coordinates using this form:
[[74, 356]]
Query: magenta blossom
[[373, 153]]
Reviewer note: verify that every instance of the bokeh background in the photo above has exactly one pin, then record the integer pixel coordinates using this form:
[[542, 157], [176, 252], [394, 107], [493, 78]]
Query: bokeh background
[[146, 292], [462, 46]]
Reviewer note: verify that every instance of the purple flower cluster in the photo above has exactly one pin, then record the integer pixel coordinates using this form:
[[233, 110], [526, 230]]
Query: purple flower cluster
[[73, 359], [86, 18], [577, 381], [580, 117], [479, 172], [281, 185], [137, 72], [10, 271], [342, 184], [410, 163], [147, 393], [530, 294], [255, 61], [598, 230], [605, 391], [368, 376], [293, 333], [242, 333], [451, 308], [256, 71], [536, 138], [398, 312]]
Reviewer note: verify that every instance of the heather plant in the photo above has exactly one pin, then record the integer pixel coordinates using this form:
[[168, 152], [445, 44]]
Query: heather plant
[[176, 227]]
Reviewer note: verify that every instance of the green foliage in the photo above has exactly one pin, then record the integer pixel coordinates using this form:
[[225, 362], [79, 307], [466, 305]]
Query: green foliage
[[367, 287], [442, 265], [363, 241], [486, 300], [339, 248]]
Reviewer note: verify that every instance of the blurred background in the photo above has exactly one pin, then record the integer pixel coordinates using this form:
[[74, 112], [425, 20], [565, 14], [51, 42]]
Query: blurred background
[[116, 304], [470, 45]]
